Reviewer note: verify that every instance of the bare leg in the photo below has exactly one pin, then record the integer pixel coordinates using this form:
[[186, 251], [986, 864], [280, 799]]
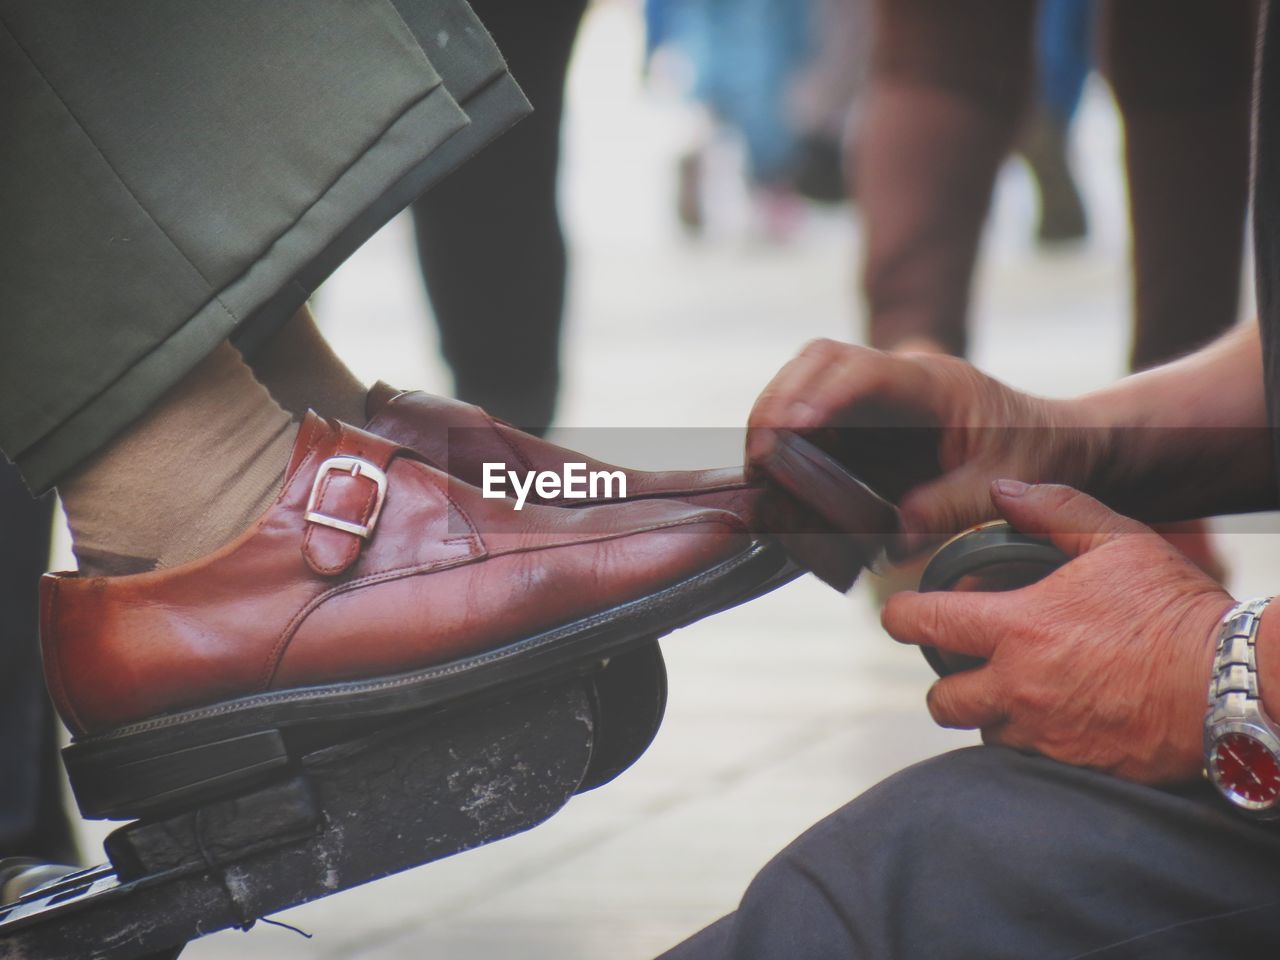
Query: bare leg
[[948, 87]]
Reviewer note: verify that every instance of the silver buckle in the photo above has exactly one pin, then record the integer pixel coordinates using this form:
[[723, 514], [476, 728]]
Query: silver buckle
[[357, 468]]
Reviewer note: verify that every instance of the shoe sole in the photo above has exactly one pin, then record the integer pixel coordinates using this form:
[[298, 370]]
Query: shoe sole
[[183, 759]]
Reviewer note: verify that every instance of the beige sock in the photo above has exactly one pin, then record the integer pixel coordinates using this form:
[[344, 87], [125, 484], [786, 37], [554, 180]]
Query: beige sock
[[303, 373], [191, 475]]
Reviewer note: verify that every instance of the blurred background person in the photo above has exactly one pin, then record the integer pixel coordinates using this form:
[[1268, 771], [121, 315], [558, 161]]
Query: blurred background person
[[743, 57], [490, 243], [950, 86], [948, 99]]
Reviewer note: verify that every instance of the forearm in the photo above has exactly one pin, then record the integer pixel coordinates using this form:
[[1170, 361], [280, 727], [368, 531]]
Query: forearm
[[1186, 439]]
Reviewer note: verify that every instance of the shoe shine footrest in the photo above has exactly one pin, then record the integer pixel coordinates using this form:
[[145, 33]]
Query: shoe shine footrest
[[340, 814], [628, 700]]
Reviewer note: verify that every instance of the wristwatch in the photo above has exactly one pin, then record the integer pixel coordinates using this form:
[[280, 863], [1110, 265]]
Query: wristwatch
[[1241, 743]]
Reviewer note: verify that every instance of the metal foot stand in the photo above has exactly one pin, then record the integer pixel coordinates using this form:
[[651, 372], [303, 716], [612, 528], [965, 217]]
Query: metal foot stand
[[362, 804]]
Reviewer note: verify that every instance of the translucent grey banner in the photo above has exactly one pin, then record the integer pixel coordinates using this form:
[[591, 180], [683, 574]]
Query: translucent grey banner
[[505, 480]]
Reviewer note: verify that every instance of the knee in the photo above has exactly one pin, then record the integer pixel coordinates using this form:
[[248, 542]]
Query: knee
[[962, 834], [852, 884], [961, 798], [789, 911], [917, 835]]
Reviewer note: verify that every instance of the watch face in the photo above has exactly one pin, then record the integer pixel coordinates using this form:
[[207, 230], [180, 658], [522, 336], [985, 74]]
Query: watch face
[[1246, 770]]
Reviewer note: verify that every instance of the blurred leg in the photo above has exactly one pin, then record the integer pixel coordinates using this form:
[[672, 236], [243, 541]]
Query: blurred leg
[[948, 88], [1064, 51], [489, 239], [1064, 56], [1182, 73]]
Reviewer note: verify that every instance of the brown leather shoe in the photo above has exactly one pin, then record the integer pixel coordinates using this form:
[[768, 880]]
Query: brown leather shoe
[[372, 586]]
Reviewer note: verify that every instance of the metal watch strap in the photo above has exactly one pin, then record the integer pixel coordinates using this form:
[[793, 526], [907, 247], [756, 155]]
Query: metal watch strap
[[1233, 692]]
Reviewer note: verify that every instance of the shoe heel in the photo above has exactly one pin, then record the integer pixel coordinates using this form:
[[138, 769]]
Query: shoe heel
[[123, 780]]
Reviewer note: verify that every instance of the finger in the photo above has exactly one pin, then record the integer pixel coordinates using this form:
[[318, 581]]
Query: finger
[[1073, 521], [967, 700], [967, 623], [781, 403], [884, 388], [956, 500], [829, 377]]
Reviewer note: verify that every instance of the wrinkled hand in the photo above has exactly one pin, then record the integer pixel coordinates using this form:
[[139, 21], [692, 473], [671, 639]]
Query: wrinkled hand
[[980, 429], [1104, 664]]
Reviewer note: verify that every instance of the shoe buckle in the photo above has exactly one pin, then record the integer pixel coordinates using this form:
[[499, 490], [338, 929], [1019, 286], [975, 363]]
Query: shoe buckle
[[357, 468]]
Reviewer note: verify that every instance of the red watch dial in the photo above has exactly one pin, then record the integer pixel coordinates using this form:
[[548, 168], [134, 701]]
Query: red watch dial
[[1246, 768]]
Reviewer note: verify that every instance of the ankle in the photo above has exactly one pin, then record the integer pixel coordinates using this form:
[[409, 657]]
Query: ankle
[[302, 373], [191, 475]]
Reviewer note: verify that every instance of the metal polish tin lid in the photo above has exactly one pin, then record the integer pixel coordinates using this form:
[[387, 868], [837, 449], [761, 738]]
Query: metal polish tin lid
[[980, 548]]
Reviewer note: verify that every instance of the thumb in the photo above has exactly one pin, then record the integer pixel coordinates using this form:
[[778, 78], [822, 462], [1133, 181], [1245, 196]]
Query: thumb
[[1073, 522], [951, 503]]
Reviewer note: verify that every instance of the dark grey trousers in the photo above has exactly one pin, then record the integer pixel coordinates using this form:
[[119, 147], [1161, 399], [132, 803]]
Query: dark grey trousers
[[172, 174], [986, 854]]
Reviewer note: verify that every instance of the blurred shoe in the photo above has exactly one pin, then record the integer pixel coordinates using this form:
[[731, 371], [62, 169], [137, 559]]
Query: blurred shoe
[[1062, 214], [779, 212], [817, 172], [689, 207]]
